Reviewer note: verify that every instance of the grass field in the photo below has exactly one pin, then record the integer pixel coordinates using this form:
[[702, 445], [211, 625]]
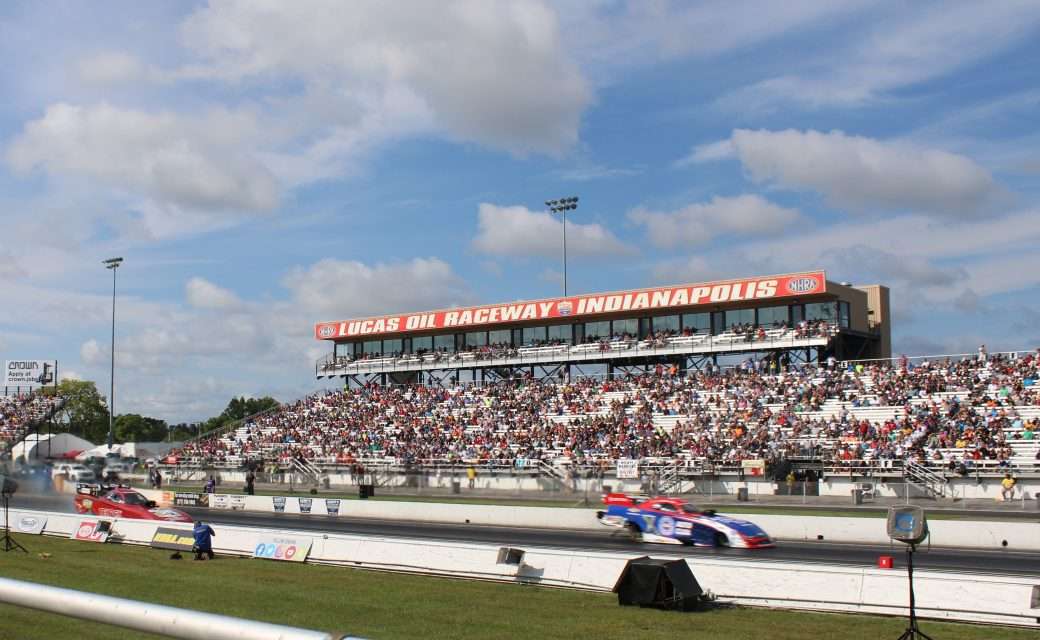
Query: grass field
[[383, 605]]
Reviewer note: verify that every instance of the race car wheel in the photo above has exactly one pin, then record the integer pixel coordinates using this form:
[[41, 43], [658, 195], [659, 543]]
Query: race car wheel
[[721, 540], [633, 531]]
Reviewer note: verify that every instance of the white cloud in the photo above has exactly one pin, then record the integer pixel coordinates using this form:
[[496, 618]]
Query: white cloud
[[203, 294], [339, 289], [697, 224], [862, 173], [518, 231], [493, 73], [110, 68], [181, 161], [707, 153], [91, 352], [899, 48]]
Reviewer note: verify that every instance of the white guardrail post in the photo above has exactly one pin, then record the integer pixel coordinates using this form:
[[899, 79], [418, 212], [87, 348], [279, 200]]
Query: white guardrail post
[[148, 617]]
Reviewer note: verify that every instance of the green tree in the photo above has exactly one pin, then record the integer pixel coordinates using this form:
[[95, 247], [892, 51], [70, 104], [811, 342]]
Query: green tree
[[130, 427], [240, 408], [84, 412]]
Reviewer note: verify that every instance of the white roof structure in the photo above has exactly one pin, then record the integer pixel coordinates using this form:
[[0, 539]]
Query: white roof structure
[[49, 445]]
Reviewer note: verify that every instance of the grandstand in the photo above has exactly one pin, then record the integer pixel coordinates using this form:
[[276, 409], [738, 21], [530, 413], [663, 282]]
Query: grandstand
[[789, 318], [20, 413], [930, 419]]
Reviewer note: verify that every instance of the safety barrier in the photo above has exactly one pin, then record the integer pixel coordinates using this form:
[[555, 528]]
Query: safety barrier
[[790, 585], [1021, 536]]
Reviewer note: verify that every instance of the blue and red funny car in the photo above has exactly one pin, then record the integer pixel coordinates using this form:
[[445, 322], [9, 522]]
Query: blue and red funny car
[[676, 521]]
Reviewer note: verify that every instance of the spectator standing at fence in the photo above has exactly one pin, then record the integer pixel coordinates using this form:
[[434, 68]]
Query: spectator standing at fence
[[1008, 487], [471, 476], [982, 353], [211, 485], [250, 480], [158, 479]]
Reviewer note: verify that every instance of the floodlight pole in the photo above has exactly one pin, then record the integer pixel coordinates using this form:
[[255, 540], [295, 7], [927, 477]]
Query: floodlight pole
[[112, 264], [562, 206]]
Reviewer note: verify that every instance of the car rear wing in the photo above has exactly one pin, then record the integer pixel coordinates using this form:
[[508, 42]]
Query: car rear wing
[[88, 489], [623, 499]]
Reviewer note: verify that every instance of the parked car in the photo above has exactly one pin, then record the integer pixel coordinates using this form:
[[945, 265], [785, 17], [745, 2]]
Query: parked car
[[74, 472]]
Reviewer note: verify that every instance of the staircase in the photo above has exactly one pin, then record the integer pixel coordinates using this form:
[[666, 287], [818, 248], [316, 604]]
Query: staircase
[[932, 483], [305, 469]]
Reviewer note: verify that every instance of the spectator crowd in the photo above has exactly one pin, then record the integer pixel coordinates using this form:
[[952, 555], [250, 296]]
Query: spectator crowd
[[950, 412], [20, 412]]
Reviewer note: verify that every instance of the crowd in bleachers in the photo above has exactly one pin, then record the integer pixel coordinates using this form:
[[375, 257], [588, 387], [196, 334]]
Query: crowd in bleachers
[[956, 413], [19, 412]]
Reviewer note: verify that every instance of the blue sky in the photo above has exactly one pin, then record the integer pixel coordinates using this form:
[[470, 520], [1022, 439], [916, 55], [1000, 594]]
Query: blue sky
[[265, 165]]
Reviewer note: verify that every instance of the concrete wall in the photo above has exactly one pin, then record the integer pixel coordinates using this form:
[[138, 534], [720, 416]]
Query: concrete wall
[[950, 596], [1022, 536]]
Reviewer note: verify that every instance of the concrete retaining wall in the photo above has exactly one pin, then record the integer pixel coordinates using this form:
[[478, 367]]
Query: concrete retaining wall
[[950, 596], [1022, 536]]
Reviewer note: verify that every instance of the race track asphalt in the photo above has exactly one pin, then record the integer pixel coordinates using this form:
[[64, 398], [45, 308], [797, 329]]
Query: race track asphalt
[[981, 561]]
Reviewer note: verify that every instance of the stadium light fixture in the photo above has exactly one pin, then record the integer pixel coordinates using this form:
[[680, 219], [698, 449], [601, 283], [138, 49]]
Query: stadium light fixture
[[562, 206], [112, 264]]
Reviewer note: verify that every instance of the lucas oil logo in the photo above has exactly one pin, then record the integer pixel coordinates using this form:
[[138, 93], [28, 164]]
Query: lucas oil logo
[[802, 285]]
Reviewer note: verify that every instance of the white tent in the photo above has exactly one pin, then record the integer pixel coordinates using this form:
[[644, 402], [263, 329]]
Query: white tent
[[49, 445], [139, 450]]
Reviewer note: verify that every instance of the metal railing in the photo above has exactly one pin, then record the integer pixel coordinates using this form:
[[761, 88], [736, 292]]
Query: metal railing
[[330, 365], [148, 617]]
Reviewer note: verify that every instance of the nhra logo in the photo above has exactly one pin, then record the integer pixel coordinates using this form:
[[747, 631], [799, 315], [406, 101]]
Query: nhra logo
[[305, 505], [332, 507], [327, 331], [802, 285], [279, 504], [565, 308]]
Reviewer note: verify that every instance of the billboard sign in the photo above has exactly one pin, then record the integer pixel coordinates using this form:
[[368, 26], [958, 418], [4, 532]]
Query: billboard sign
[[287, 549], [579, 307], [29, 373]]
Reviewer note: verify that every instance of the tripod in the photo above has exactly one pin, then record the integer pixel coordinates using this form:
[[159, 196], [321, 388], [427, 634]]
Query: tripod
[[9, 542], [912, 632]]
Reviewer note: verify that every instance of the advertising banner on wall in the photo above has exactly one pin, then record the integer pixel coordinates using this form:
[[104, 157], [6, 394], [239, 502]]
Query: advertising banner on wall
[[627, 468], [173, 539], [29, 373], [29, 524], [91, 531], [286, 549], [191, 499], [649, 300]]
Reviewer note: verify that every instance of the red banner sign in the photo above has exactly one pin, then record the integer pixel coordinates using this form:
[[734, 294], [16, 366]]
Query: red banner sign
[[588, 305]]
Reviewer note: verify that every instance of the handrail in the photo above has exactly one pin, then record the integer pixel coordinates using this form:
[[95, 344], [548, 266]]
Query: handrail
[[728, 343], [146, 616]]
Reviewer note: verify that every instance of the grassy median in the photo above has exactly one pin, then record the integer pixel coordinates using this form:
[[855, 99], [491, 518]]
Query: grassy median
[[383, 605]]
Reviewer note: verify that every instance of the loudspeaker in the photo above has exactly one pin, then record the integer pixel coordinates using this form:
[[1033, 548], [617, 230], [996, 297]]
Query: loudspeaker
[[662, 584], [508, 555], [907, 524], [363, 491]]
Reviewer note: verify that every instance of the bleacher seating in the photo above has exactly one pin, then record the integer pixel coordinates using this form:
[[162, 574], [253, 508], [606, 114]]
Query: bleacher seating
[[962, 414]]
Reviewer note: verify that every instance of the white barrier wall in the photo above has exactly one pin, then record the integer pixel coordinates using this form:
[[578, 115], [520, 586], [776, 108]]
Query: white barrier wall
[[951, 596], [1021, 536]]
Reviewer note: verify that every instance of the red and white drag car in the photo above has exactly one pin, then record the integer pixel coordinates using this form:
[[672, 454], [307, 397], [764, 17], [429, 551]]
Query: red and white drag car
[[122, 502]]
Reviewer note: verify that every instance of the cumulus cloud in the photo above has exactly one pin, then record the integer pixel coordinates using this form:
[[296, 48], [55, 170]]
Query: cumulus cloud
[[898, 48], [178, 160], [338, 289], [493, 73], [518, 231], [697, 224], [203, 294], [111, 67], [860, 172]]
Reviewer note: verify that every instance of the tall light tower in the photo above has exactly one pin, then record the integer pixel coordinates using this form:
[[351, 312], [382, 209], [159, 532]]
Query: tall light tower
[[112, 264], [562, 206]]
